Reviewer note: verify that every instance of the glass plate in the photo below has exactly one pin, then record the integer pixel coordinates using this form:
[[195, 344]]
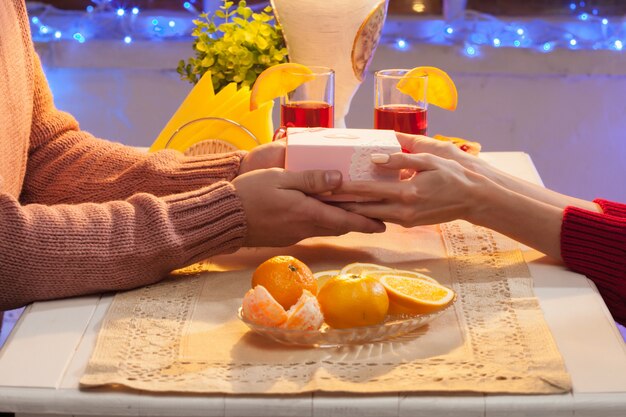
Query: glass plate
[[392, 327]]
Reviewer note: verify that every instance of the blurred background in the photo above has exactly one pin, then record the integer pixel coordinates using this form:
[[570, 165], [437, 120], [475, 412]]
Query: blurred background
[[545, 77]]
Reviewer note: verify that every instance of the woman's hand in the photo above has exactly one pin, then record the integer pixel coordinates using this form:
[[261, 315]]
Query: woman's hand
[[442, 190], [439, 190], [447, 150], [270, 155], [280, 211]]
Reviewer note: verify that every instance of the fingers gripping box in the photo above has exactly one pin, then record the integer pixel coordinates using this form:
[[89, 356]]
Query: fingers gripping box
[[345, 150]]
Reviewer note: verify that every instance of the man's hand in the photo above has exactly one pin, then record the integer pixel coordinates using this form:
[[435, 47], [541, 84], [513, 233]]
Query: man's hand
[[280, 210]]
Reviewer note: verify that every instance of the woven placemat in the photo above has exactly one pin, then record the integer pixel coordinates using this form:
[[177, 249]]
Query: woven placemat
[[183, 335]]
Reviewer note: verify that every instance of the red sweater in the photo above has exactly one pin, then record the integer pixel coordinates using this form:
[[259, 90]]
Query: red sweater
[[594, 244]]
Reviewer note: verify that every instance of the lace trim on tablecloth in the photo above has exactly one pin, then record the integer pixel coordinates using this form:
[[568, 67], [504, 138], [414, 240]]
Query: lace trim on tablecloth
[[506, 344]]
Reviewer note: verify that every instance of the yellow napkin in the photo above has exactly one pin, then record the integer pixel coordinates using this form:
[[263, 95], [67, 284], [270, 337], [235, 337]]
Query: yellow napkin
[[200, 117]]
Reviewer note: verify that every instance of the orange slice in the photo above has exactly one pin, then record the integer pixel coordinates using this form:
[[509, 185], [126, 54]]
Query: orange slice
[[277, 81], [362, 268], [440, 89], [399, 272], [417, 296], [324, 276]]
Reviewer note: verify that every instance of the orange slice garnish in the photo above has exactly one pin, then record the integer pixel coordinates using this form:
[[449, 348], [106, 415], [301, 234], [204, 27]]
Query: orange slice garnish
[[277, 81], [440, 89], [417, 296]]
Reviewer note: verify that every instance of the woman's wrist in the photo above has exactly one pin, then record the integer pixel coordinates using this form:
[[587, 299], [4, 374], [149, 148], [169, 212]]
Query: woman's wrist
[[522, 218], [483, 199]]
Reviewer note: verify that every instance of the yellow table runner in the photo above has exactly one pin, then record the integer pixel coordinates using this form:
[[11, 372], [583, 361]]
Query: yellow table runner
[[183, 335]]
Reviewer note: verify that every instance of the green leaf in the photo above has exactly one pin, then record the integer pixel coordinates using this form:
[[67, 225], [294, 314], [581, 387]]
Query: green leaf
[[208, 61], [237, 48], [262, 43]]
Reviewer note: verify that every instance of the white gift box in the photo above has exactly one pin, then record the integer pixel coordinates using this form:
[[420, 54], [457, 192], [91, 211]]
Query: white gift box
[[345, 150]]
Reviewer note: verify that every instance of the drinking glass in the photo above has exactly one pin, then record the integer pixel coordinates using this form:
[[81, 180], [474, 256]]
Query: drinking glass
[[396, 110], [311, 104]]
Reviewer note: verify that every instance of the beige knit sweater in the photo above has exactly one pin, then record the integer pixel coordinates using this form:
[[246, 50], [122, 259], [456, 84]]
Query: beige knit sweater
[[81, 215]]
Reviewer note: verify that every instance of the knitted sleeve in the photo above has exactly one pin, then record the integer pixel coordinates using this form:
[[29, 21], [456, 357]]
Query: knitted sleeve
[[93, 216], [594, 244], [612, 208], [67, 165], [53, 251]]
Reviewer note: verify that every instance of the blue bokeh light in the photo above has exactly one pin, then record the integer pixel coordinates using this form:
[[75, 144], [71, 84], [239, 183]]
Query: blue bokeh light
[[401, 44], [470, 51], [79, 37]]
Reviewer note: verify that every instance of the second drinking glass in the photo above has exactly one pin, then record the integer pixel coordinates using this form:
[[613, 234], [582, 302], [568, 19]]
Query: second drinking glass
[[401, 109], [311, 104]]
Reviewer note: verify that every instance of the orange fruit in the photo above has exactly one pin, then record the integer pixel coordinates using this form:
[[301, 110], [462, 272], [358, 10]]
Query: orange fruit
[[285, 277], [277, 81], [353, 301], [416, 295], [440, 89], [260, 307]]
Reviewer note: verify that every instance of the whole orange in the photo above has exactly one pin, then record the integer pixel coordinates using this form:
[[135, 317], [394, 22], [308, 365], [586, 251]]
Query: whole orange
[[285, 277], [352, 301]]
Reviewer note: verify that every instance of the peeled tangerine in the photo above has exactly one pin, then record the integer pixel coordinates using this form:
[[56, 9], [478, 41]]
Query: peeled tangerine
[[261, 308], [305, 314]]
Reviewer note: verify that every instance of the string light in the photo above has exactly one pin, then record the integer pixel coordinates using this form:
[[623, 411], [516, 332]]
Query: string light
[[472, 32], [127, 23], [401, 44], [585, 30]]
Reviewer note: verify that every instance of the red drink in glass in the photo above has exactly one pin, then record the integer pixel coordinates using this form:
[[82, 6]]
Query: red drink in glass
[[401, 118], [307, 114]]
